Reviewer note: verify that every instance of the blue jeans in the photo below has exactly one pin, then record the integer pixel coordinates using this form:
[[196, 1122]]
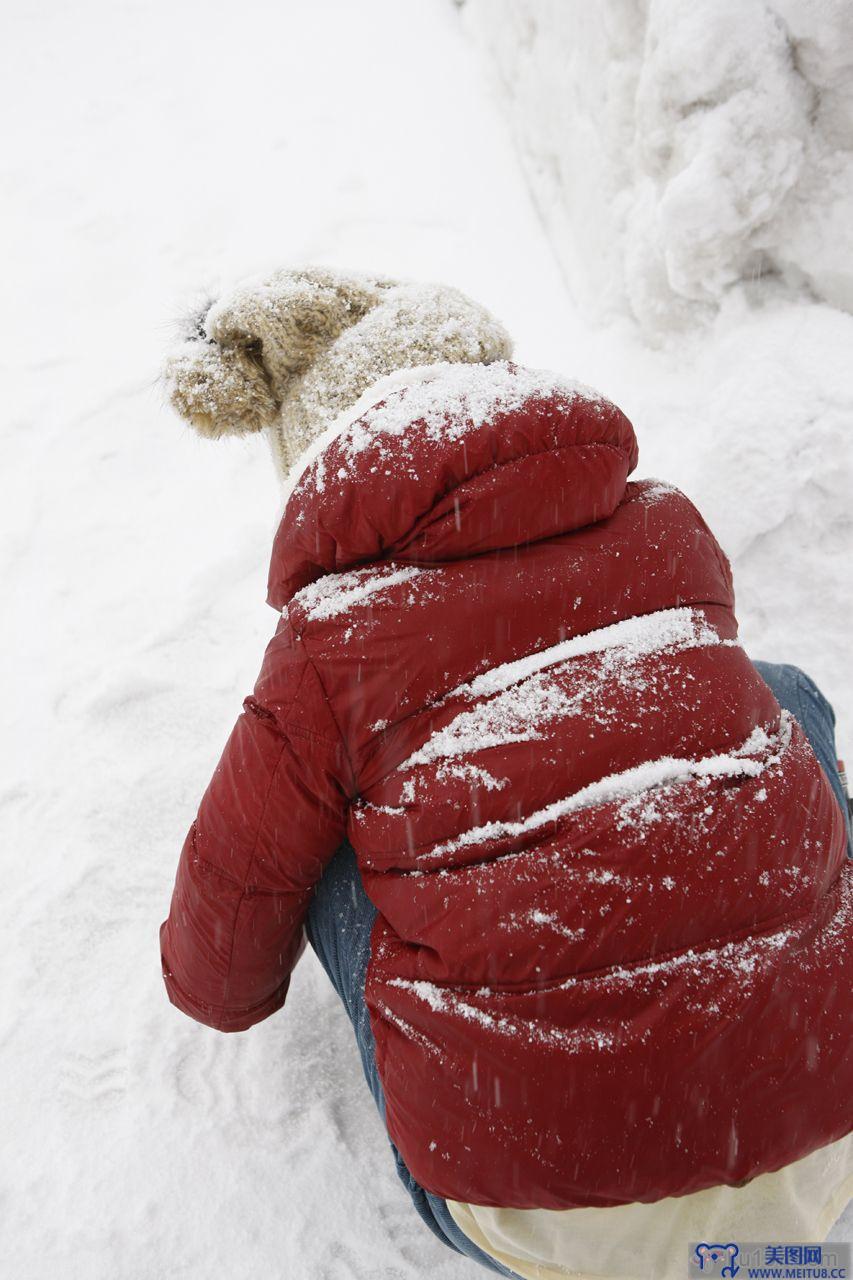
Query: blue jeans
[[338, 927], [341, 917], [796, 692]]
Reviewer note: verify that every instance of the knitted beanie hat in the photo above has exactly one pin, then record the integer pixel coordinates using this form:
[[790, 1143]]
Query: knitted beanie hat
[[288, 354]]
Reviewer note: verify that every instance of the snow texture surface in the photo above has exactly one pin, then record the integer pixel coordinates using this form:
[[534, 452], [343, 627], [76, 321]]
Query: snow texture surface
[[677, 149], [160, 149]]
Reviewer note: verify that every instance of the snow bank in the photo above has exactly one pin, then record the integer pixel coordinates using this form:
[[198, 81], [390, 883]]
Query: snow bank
[[676, 150]]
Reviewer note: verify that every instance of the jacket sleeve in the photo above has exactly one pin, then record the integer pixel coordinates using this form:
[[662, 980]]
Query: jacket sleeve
[[270, 820]]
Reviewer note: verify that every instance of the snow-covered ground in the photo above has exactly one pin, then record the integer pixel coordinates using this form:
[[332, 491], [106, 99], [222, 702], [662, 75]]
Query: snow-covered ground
[[157, 150]]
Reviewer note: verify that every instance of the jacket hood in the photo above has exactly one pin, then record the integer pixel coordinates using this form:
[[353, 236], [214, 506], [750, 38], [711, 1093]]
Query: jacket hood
[[450, 461]]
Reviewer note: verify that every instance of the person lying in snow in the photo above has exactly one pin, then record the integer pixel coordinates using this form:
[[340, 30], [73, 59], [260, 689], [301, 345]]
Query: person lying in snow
[[578, 868]]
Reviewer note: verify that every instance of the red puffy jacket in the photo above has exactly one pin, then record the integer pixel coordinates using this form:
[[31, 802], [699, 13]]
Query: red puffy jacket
[[611, 957]]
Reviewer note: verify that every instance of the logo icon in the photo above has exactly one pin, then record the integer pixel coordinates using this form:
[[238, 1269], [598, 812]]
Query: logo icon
[[708, 1255]]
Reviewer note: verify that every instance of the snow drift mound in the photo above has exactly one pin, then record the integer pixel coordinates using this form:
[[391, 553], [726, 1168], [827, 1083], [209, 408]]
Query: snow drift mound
[[676, 150]]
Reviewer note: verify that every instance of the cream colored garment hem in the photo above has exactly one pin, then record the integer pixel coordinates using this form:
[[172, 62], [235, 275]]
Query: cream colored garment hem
[[639, 1241]]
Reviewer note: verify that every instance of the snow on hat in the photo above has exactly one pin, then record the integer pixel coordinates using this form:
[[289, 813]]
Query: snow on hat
[[289, 353]]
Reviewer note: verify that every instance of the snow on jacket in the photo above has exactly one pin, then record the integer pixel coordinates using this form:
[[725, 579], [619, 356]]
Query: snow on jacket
[[611, 957]]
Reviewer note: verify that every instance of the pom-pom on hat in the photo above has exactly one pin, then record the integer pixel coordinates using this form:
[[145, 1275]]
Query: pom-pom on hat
[[289, 353]]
